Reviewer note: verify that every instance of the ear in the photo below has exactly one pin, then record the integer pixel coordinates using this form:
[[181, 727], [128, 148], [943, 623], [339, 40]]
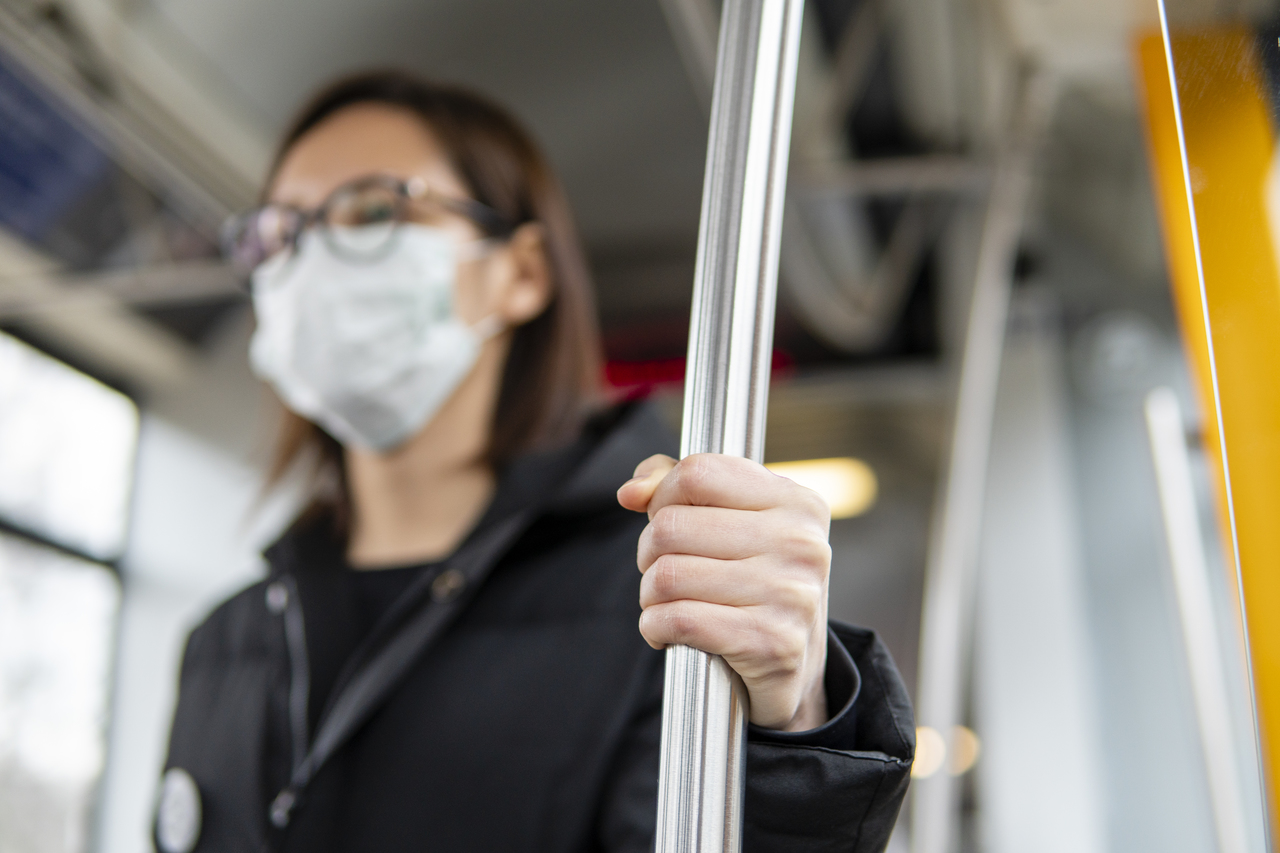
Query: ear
[[529, 285]]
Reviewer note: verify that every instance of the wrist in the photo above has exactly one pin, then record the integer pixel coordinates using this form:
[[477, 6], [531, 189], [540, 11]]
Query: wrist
[[812, 712]]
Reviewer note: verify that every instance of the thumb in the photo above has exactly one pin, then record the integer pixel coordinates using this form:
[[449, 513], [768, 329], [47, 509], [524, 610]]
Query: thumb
[[636, 493]]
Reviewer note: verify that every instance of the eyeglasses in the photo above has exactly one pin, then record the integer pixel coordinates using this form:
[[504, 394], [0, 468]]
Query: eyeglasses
[[357, 220]]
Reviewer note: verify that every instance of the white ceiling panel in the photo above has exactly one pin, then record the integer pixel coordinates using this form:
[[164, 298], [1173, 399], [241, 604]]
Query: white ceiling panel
[[601, 84]]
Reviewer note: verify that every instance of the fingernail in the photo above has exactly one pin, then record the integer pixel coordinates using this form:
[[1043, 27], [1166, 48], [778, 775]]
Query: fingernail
[[632, 480]]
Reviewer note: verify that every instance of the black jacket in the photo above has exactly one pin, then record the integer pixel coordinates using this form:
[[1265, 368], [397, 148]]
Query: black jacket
[[507, 701]]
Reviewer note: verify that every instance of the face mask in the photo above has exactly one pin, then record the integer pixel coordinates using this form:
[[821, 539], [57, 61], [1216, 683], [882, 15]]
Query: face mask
[[369, 350]]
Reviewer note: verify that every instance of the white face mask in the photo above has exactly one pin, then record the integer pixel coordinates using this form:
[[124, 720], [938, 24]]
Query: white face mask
[[370, 350]]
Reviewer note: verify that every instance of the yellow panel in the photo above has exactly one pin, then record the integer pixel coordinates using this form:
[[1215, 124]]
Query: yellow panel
[[1171, 197], [1229, 149]]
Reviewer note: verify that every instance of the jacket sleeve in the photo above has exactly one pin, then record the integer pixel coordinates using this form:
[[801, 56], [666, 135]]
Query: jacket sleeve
[[837, 787]]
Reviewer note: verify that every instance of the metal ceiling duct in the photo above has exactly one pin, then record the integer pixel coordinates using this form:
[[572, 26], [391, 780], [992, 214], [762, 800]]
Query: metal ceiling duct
[[846, 289]]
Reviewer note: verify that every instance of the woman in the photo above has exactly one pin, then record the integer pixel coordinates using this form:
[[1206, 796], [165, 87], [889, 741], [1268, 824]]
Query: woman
[[445, 655]]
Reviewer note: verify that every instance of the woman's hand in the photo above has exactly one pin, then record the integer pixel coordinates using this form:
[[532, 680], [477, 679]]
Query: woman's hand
[[735, 562]]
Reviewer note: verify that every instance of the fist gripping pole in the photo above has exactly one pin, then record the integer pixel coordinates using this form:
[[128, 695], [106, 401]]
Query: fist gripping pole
[[704, 714]]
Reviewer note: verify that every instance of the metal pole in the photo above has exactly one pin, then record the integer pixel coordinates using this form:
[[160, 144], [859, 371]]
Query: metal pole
[[1201, 634], [704, 713], [953, 553]]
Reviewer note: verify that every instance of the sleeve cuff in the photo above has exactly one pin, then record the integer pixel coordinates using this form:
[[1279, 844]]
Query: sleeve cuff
[[843, 684]]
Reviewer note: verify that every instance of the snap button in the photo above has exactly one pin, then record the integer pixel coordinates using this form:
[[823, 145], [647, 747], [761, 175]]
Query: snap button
[[277, 597], [178, 815], [282, 808], [447, 585]]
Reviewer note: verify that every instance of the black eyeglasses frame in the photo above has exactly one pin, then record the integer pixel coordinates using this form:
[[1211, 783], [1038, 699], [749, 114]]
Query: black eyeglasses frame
[[493, 224]]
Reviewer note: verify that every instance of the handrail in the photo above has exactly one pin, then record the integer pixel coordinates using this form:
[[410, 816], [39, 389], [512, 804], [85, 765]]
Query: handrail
[[1201, 634], [705, 711], [946, 621]]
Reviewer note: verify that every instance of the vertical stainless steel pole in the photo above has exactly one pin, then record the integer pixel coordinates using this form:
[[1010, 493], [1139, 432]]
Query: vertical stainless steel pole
[[946, 629], [704, 713], [1201, 634]]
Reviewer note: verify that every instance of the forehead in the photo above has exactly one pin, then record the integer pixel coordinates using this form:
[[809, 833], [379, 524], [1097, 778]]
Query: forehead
[[361, 140]]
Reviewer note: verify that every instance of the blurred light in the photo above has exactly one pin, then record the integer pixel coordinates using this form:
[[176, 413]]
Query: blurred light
[[965, 748], [66, 451], [847, 485], [931, 751]]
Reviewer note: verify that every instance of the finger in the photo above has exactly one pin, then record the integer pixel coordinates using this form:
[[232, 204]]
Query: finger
[[713, 628], [732, 583], [702, 531], [774, 660], [713, 479], [636, 493], [731, 534], [658, 463]]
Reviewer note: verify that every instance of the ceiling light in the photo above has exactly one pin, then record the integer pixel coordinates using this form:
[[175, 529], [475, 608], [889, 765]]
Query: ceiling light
[[847, 485], [931, 750], [965, 748]]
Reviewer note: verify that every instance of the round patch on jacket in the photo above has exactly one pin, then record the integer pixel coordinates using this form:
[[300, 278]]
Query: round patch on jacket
[[178, 816]]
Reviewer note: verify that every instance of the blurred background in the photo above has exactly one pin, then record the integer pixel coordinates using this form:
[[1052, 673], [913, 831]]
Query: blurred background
[[1002, 525]]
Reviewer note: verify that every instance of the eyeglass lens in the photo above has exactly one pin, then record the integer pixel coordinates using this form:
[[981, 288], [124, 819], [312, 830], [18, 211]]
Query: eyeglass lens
[[358, 221]]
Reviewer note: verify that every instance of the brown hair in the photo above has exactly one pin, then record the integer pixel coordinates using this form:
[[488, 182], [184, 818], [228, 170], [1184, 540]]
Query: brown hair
[[552, 374]]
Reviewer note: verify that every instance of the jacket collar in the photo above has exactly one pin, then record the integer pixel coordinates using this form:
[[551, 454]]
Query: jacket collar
[[581, 478], [637, 433]]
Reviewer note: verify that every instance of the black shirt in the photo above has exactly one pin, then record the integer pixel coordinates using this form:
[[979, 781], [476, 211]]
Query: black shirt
[[344, 605], [374, 591]]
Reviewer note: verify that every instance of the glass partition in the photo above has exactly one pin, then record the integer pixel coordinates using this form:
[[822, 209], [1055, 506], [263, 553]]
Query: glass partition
[[1210, 88]]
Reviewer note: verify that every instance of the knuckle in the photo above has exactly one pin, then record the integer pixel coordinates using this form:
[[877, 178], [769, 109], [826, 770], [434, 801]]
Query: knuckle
[[806, 603], [680, 623], [648, 628], [786, 636], [665, 526], [810, 550], [821, 557], [666, 576], [810, 609], [816, 505], [645, 548], [778, 664], [789, 659], [795, 596], [645, 536], [781, 648], [695, 472]]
